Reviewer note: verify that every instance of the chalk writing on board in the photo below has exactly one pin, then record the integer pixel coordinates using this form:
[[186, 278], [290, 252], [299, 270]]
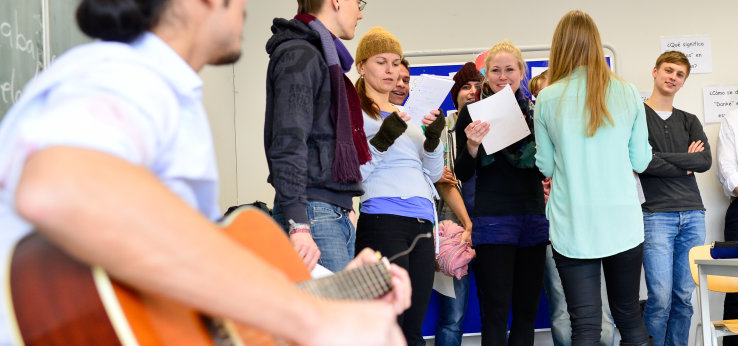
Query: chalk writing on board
[[718, 101], [21, 47], [16, 39], [9, 91]]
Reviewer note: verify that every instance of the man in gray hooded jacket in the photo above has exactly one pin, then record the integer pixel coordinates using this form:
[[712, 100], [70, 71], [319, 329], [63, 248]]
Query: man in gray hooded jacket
[[313, 130]]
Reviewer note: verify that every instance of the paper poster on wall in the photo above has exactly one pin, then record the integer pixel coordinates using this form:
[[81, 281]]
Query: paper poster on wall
[[697, 49], [718, 101]]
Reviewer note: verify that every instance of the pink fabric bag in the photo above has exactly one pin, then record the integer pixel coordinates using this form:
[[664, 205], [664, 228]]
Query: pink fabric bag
[[454, 255]]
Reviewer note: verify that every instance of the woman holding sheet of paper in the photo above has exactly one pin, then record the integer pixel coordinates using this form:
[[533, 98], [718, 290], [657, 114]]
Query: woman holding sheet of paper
[[510, 230], [591, 134], [398, 204]]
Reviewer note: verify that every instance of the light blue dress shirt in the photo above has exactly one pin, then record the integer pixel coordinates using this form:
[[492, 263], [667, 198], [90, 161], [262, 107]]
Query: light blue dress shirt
[[140, 102]]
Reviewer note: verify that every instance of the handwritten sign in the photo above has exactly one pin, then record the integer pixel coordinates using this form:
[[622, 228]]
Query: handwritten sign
[[697, 49], [718, 100]]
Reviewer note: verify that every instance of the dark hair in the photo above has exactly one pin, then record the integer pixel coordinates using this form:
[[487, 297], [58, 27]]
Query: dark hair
[[309, 6], [405, 63], [118, 20]]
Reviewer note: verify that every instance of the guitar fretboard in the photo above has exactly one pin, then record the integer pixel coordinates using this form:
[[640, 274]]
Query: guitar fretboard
[[366, 282]]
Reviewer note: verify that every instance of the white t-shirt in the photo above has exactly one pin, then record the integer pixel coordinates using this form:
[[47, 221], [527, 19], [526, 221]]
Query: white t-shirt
[[664, 114], [140, 102]]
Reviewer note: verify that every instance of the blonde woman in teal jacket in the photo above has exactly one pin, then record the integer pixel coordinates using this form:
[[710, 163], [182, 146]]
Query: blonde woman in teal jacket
[[591, 134]]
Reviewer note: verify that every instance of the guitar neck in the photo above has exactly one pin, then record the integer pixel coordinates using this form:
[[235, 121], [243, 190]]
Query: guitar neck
[[367, 282]]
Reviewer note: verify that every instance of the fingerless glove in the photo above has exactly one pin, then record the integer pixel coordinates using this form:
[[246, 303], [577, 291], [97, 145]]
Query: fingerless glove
[[392, 127], [433, 133]]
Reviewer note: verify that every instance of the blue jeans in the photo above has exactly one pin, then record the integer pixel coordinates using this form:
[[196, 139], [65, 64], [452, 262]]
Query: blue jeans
[[331, 230], [669, 236], [450, 325], [557, 312]]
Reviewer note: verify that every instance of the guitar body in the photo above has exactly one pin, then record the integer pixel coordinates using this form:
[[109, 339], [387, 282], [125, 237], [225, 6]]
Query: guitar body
[[57, 300]]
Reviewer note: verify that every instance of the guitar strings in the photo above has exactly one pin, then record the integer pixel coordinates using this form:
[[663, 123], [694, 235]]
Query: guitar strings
[[339, 286]]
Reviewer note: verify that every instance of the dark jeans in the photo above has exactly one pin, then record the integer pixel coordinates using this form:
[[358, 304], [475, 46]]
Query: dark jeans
[[509, 274], [730, 306], [581, 281], [391, 234]]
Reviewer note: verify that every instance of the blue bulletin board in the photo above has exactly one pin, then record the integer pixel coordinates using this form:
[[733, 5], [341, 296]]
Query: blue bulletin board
[[472, 319]]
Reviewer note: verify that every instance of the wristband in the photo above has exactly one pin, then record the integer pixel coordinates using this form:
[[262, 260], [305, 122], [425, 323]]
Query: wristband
[[299, 230], [298, 227]]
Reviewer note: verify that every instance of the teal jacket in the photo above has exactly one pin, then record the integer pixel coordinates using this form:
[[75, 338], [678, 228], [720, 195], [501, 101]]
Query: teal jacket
[[593, 208]]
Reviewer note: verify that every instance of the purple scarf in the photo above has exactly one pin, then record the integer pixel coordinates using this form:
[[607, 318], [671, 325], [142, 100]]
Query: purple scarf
[[352, 149]]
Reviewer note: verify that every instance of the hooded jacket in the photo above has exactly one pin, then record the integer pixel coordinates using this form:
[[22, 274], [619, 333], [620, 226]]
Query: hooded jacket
[[299, 138]]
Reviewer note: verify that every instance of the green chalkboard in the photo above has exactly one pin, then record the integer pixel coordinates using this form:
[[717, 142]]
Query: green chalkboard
[[32, 34], [21, 47], [63, 33]]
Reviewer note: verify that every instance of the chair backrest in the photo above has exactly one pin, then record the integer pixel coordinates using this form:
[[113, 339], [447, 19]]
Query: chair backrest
[[727, 284]]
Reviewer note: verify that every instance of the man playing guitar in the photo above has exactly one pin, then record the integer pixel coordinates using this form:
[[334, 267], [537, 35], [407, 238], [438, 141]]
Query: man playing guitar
[[108, 154]]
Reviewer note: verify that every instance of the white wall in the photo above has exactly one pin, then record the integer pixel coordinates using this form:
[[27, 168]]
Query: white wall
[[235, 97]]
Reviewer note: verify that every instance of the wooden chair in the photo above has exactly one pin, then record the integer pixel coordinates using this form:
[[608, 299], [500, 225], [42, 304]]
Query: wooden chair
[[727, 284]]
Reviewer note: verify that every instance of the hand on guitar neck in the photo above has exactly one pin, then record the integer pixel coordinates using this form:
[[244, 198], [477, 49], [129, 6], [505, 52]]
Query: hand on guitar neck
[[342, 316], [400, 294]]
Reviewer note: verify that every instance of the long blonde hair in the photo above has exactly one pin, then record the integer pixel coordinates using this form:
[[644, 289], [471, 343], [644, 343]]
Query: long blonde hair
[[576, 42]]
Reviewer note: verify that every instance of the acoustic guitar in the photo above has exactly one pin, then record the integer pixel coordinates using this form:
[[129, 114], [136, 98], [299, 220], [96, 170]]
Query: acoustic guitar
[[57, 300]]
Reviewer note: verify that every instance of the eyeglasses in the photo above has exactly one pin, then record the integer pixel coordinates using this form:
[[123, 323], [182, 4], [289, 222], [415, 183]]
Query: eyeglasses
[[362, 4]]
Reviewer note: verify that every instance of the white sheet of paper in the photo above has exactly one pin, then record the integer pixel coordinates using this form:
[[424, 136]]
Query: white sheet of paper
[[718, 101], [535, 70], [506, 122], [444, 284], [426, 94], [319, 271]]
